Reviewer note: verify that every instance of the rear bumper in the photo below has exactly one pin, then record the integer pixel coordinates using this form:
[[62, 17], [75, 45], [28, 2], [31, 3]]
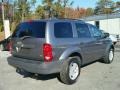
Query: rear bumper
[[33, 66]]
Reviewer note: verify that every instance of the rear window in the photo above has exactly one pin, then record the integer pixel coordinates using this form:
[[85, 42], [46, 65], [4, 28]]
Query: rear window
[[33, 29], [63, 30]]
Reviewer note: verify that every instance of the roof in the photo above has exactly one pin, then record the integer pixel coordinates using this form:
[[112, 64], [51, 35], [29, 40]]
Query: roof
[[102, 17], [55, 19]]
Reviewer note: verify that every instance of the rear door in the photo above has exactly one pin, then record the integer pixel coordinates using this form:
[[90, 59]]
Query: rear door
[[85, 42], [99, 42], [28, 40]]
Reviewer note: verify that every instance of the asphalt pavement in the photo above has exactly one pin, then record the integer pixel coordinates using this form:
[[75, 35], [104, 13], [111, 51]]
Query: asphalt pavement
[[96, 76]]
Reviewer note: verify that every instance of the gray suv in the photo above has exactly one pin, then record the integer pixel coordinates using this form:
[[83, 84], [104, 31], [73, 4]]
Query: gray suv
[[58, 46]]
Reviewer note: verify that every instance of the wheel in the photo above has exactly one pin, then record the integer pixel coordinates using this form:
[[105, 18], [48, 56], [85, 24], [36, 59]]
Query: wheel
[[71, 70], [1, 47], [109, 56]]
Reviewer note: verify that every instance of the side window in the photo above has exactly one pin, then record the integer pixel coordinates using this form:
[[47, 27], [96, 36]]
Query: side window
[[82, 30], [63, 30], [96, 32], [97, 23]]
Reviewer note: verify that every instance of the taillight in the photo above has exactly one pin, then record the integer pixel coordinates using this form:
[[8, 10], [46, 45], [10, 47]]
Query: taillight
[[10, 46], [47, 52]]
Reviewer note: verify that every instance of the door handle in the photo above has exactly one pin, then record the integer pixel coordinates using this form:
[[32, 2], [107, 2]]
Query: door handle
[[81, 43]]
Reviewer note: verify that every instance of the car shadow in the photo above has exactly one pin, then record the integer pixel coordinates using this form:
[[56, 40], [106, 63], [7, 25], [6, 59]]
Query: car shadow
[[26, 74], [85, 65]]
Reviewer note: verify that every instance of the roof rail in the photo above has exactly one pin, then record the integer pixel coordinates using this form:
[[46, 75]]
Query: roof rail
[[70, 19], [66, 18]]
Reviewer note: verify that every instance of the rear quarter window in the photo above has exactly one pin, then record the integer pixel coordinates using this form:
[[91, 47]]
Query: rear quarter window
[[63, 30], [33, 29]]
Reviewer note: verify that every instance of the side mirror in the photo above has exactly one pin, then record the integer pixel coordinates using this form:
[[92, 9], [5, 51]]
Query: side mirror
[[106, 35]]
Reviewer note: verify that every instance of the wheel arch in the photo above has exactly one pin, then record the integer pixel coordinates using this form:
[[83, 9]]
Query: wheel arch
[[76, 54], [69, 52], [112, 46]]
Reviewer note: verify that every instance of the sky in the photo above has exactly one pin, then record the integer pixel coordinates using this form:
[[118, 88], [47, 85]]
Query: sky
[[86, 3], [81, 3]]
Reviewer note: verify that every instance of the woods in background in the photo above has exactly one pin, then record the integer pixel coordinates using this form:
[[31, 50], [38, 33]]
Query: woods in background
[[20, 10]]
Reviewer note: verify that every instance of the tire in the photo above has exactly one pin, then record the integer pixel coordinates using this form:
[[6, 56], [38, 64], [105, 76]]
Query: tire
[[1, 47], [71, 70], [109, 56]]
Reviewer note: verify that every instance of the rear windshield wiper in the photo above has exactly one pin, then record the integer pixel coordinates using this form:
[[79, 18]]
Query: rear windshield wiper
[[25, 37]]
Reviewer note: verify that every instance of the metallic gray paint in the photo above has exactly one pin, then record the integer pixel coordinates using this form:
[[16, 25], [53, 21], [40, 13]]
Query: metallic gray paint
[[90, 49]]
